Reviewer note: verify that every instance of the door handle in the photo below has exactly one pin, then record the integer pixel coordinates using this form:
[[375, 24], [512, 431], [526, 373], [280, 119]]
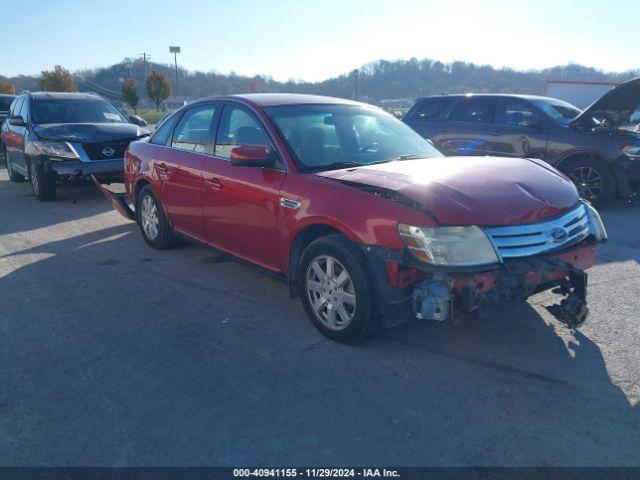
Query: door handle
[[214, 183], [494, 134]]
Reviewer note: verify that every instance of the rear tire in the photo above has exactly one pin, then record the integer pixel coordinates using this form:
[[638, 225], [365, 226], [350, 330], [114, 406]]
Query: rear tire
[[43, 183], [154, 225], [593, 178], [337, 291], [13, 175]]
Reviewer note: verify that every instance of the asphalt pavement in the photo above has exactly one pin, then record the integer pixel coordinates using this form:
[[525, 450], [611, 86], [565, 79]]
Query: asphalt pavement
[[116, 354]]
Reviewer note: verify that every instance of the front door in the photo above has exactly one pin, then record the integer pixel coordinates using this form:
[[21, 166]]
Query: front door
[[521, 130], [14, 137], [241, 204]]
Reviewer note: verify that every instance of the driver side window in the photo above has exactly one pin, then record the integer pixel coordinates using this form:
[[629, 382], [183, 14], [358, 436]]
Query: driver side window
[[514, 113], [239, 127]]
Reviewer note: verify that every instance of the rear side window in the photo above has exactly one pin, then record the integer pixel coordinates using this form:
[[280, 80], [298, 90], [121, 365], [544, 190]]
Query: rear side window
[[431, 108], [192, 131], [514, 112], [161, 135], [473, 110]]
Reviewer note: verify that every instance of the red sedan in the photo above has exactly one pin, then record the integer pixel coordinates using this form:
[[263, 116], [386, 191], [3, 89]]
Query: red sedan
[[366, 220]]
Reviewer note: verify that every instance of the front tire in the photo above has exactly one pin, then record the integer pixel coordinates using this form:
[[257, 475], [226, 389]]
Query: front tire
[[593, 178], [154, 225], [337, 290], [43, 183]]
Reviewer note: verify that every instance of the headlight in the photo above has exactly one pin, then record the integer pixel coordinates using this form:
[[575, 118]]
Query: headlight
[[631, 151], [449, 246], [51, 149], [596, 226]]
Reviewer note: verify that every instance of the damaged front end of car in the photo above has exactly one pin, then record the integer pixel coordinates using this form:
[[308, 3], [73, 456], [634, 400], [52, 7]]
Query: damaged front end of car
[[456, 272]]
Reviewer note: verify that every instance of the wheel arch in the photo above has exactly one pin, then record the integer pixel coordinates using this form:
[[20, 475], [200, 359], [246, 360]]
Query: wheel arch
[[138, 186], [591, 154], [302, 238]]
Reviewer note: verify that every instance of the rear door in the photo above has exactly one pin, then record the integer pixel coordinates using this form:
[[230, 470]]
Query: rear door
[[178, 167], [470, 127], [521, 130], [241, 204]]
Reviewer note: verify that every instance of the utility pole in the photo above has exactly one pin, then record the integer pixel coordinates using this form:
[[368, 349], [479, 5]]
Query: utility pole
[[355, 75], [175, 50], [145, 56]]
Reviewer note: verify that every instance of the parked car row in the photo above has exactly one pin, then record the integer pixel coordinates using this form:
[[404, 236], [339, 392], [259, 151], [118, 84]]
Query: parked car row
[[366, 220], [53, 138], [595, 148]]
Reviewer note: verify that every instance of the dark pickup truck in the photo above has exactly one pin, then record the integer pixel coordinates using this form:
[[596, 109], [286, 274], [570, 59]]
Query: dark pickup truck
[[594, 148]]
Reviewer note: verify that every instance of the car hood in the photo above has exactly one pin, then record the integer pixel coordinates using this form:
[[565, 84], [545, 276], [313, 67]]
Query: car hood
[[89, 132], [468, 190], [616, 106]]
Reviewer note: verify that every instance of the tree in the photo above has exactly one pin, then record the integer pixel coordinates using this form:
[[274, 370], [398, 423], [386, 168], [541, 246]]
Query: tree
[[57, 80], [158, 87], [129, 93], [5, 87]]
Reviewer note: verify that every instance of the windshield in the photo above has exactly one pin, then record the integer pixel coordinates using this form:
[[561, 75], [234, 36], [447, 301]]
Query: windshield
[[560, 111], [5, 103], [76, 111], [322, 137]]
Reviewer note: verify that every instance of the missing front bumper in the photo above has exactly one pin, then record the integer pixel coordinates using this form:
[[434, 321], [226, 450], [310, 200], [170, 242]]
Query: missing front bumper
[[438, 294], [117, 195]]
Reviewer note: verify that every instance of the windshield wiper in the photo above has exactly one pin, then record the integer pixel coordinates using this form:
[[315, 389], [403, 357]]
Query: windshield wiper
[[411, 156], [335, 165]]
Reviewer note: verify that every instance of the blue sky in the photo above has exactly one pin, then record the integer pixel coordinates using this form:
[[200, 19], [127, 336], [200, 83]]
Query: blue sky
[[313, 40]]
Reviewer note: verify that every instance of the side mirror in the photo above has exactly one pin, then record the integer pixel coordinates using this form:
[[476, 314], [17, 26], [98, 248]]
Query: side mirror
[[252, 156], [136, 120], [16, 121]]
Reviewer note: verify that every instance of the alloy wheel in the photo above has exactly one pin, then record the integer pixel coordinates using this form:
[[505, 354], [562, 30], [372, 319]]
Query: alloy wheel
[[331, 292], [149, 215], [588, 182]]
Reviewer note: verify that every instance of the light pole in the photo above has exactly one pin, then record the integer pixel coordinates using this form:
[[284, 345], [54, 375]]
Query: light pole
[[175, 51]]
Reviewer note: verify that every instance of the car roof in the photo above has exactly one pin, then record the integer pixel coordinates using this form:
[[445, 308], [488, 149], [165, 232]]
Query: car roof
[[280, 99], [64, 95], [496, 95]]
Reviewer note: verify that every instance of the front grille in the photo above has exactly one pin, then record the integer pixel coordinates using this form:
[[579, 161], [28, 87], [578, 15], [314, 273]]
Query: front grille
[[95, 150], [536, 238]]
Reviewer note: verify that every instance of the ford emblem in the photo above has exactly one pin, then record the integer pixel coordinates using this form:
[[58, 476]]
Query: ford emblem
[[108, 151], [559, 234]]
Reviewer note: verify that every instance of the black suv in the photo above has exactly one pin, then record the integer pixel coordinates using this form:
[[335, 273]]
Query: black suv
[[54, 138], [596, 148]]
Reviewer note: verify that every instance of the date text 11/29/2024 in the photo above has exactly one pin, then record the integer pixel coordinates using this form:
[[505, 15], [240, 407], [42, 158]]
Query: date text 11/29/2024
[[316, 472]]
